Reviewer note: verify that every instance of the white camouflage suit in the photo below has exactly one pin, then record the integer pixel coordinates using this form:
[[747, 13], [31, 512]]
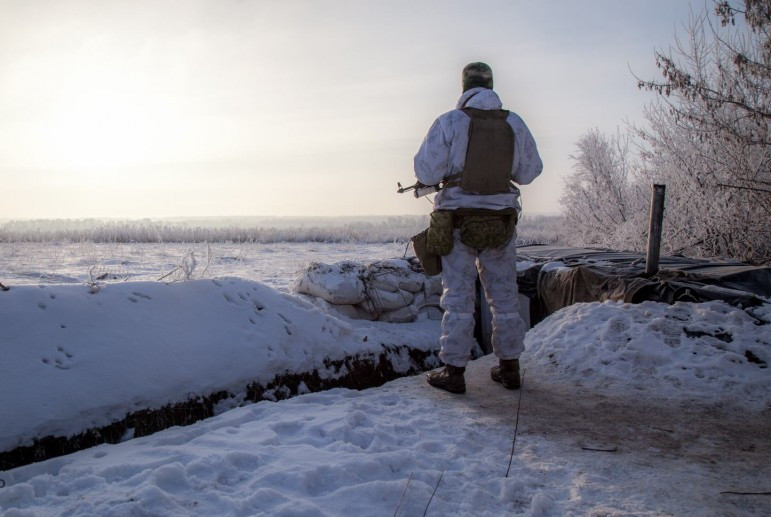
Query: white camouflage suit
[[442, 154]]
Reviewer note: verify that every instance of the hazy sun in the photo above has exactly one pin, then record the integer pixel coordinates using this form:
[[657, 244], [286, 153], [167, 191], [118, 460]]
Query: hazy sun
[[99, 130]]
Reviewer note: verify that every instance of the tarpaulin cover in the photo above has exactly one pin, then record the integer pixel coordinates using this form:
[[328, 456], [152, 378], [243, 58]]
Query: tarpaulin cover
[[593, 274]]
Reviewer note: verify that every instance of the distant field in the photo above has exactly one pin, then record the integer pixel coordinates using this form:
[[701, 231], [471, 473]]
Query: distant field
[[371, 229], [274, 264], [268, 250]]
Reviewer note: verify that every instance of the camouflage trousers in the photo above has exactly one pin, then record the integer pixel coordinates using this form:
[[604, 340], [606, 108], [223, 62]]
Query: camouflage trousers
[[498, 273]]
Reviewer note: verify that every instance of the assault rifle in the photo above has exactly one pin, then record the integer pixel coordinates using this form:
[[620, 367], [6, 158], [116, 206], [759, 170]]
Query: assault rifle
[[419, 190]]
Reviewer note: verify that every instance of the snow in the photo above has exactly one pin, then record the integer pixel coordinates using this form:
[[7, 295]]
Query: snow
[[643, 409], [274, 264], [698, 351], [96, 354]]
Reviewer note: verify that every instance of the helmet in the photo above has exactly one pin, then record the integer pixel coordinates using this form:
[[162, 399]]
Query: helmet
[[477, 75]]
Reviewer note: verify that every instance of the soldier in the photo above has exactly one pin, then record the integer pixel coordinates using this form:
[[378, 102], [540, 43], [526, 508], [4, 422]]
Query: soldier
[[475, 152]]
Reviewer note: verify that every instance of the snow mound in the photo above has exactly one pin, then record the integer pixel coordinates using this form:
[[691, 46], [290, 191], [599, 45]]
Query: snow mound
[[76, 358], [687, 350]]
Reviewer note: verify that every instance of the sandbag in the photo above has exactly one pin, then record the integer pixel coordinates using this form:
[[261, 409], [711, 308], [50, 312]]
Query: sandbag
[[419, 299], [430, 312], [433, 299], [385, 285], [393, 280], [433, 285], [390, 264], [403, 315], [394, 290], [338, 283], [381, 300], [355, 312], [392, 275]]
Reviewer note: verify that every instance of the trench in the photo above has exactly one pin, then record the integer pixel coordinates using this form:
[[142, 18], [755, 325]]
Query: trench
[[354, 372]]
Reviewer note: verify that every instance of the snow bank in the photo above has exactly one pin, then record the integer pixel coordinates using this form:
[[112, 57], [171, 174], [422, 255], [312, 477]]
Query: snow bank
[[75, 358], [708, 350]]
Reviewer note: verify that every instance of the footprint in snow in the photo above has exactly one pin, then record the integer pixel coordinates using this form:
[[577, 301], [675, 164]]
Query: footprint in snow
[[61, 360], [135, 296]]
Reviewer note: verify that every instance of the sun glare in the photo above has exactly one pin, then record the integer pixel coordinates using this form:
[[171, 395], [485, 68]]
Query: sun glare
[[97, 131]]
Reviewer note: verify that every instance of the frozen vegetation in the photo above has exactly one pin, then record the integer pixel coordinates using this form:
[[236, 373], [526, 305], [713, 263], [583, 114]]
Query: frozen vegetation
[[371, 229], [705, 137]]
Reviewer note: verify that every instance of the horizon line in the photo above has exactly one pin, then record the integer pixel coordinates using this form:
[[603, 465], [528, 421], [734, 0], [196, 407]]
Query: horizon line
[[254, 216]]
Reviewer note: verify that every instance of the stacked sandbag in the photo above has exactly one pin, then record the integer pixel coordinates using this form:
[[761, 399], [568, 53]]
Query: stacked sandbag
[[433, 293], [338, 284], [394, 290]]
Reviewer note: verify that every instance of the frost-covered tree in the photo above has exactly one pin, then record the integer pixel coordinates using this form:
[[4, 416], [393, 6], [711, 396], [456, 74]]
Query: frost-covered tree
[[708, 136], [601, 199]]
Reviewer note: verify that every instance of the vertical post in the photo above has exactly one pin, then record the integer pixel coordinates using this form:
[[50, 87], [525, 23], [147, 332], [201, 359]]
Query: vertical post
[[654, 230]]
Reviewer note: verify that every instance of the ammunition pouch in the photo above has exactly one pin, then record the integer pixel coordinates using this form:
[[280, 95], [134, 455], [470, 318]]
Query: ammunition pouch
[[431, 262], [439, 238], [483, 229], [479, 229]]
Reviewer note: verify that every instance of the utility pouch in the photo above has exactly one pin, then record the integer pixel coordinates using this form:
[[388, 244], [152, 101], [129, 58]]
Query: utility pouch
[[486, 231], [431, 262], [439, 237]]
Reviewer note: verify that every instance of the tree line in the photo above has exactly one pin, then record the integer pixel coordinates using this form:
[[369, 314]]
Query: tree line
[[705, 136]]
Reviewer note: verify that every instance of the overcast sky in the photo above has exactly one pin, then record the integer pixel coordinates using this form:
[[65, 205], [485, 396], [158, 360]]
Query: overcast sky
[[112, 108]]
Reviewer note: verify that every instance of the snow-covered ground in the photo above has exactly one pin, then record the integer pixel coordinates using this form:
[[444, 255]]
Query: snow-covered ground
[[274, 264], [97, 354], [626, 410]]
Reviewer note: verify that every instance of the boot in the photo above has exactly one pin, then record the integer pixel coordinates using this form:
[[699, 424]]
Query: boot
[[449, 379], [507, 373]]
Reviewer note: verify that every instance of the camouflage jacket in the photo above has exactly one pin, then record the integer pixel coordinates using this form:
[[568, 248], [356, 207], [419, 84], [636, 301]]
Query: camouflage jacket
[[443, 152]]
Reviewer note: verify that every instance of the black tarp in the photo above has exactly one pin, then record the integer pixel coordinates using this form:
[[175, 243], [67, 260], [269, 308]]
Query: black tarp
[[594, 274]]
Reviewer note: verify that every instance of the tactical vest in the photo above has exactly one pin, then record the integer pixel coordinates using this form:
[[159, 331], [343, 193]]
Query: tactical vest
[[490, 153]]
